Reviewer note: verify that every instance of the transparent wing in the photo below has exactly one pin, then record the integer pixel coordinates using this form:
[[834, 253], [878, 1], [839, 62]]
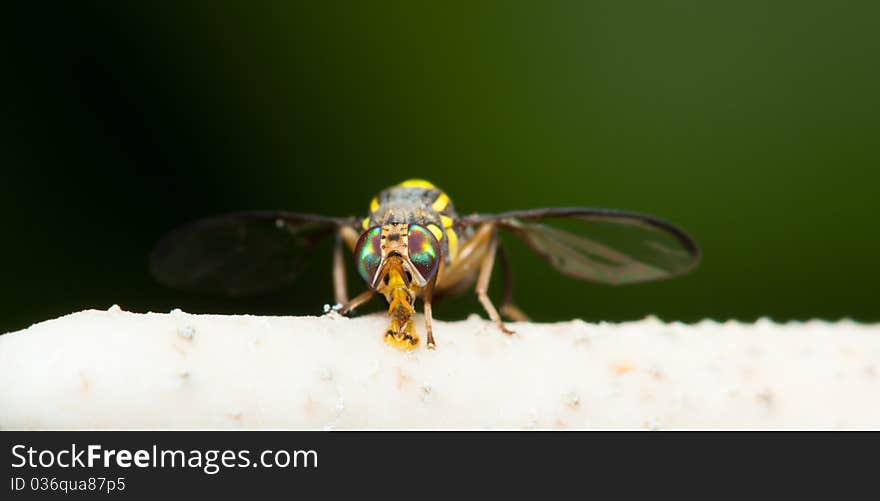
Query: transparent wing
[[241, 253], [601, 245]]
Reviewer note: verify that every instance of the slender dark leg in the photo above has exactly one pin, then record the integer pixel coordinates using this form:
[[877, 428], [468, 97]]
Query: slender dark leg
[[358, 300], [349, 237], [483, 285], [508, 309], [429, 316], [470, 255], [340, 287]]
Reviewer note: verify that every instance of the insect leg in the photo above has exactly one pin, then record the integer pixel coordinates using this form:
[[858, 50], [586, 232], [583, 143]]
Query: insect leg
[[483, 285], [508, 309], [340, 287], [461, 272], [429, 317], [358, 300], [348, 236]]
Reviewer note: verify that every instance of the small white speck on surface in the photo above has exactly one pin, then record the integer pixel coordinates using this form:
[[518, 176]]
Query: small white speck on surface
[[325, 374], [114, 308], [766, 397], [571, 399], [532, 421], [186, 332], [254, 344], [332, 311], [427, 390], [375, 367], [483, 329], [652, 423]]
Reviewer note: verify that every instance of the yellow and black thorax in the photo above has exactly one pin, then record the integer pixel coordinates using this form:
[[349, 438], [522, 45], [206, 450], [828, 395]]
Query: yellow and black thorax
[[416, 201]]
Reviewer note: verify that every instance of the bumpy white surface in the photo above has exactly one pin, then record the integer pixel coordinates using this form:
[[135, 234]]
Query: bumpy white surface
[[114, 369]]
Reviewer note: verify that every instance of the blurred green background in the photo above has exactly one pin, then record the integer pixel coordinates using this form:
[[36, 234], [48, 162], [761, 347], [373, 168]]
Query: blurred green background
[[754, 125]]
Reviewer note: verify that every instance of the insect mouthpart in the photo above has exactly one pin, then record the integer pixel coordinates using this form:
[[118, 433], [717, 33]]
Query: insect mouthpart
[[400, 305]]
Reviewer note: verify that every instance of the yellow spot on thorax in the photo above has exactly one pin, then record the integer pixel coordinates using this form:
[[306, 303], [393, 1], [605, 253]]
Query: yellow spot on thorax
[[366, 222], [417, 183], [374, 205], [441, 202], [453, 242]]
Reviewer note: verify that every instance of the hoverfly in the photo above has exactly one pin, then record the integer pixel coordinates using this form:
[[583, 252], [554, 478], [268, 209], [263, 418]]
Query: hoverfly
[[412, 245]]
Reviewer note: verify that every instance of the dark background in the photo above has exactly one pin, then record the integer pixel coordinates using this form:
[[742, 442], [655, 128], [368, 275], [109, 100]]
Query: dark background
[[753, 125]]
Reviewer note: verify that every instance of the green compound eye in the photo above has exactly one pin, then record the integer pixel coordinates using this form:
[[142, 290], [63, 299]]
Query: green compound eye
[[423, 250], [368, 254]]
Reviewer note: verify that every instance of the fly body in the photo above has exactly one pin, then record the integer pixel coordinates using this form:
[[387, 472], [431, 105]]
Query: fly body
[[413, 245]]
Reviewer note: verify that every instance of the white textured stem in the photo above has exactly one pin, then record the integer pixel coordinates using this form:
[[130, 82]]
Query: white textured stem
[[114, 369]]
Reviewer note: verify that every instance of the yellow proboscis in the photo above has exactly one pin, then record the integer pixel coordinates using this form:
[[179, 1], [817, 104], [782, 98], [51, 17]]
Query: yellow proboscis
[[402, 333]]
